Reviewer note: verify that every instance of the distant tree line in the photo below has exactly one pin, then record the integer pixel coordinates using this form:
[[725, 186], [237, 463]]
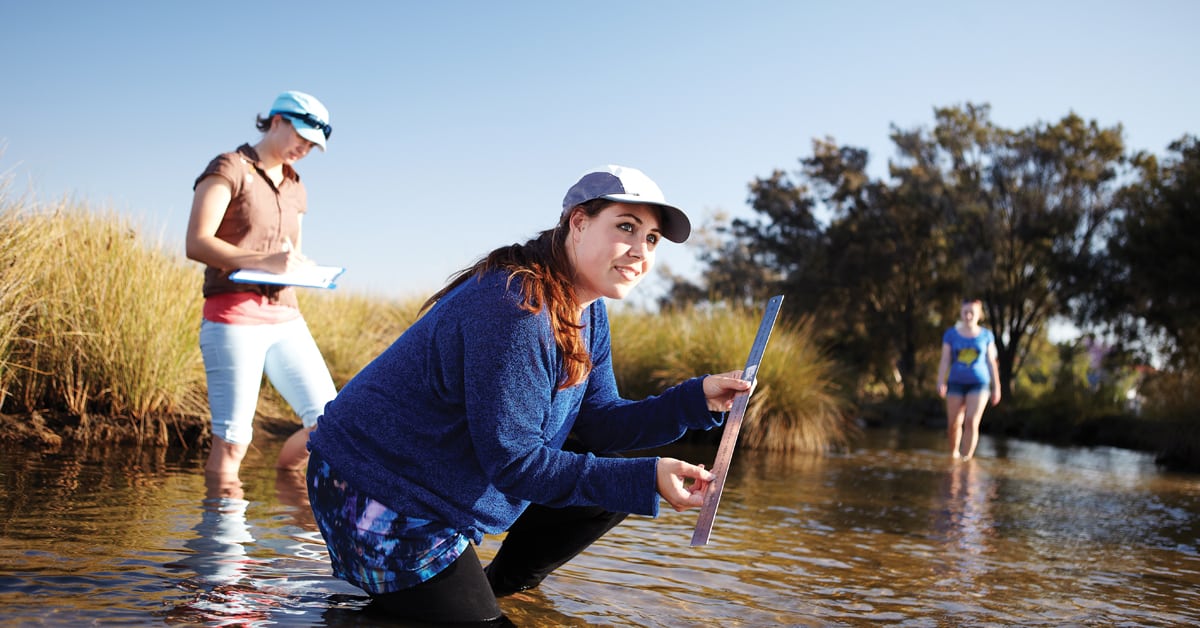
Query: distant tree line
[[1049, 222]]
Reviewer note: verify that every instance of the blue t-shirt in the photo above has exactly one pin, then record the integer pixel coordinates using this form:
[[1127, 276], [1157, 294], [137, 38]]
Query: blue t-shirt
[[968, 356], [461, 420]]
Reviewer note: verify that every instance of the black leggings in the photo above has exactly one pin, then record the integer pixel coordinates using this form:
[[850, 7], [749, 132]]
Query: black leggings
[[541, 540], [459, 594]]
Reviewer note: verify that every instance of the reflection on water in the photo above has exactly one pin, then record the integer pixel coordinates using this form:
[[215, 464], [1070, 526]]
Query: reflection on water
[[891, 532], [218, 552], [962, 520], [225, 592], [964, 517]]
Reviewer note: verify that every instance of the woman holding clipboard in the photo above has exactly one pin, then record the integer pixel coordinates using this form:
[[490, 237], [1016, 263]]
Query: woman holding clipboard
[[246, 214]]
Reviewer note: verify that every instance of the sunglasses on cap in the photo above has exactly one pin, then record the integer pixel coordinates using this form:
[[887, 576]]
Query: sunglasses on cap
[[310, 120]]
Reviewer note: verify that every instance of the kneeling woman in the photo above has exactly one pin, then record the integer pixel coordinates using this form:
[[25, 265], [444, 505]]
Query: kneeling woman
[[498, 411]]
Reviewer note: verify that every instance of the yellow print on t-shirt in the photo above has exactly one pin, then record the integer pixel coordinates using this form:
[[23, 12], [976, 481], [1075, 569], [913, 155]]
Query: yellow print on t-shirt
[[968, 355]]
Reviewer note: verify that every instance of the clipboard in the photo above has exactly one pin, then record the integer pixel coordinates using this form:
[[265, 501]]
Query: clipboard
[[308, 277]]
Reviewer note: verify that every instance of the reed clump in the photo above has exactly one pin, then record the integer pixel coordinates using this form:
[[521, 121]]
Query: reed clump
[[19, 243], [796, 405], [98, 322], [99, 328]]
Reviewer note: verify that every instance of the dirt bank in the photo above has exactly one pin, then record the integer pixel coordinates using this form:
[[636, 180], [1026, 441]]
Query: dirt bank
[[51, 430]]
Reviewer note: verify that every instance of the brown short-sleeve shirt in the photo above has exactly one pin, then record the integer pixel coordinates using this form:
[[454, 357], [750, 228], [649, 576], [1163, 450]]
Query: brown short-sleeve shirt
[[260, 217]]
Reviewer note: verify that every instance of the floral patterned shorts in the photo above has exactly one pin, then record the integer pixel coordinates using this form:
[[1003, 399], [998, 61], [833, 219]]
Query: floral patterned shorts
[[370, 545]]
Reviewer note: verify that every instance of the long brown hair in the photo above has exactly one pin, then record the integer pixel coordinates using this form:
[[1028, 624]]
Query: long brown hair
[[547, 281]]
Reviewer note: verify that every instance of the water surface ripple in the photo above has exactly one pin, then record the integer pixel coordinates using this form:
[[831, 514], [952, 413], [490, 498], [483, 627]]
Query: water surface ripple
[[888, 533]]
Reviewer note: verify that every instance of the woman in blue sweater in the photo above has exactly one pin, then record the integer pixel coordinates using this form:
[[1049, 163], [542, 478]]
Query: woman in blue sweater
[[968, 370], [498, 411]]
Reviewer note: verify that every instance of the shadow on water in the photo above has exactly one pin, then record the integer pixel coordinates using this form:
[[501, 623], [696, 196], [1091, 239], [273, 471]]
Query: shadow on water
[[890, 532]]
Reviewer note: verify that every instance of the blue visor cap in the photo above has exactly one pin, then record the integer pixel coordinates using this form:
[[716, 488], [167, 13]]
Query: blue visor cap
[[308, 116]]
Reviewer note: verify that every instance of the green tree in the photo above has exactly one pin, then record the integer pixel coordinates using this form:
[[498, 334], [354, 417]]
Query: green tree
[[887, 266], [1151, 291], [865, 278], [732, 271], [746, 261]]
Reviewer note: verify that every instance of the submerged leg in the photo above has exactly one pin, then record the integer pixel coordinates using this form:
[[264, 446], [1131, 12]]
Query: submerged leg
[[225, 458], [293, 456]]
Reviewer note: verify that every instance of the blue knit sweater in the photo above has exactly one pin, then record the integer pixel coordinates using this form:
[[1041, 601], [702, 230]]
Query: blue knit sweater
[[461, 420]]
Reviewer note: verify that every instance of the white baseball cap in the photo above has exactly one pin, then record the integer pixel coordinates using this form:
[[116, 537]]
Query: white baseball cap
[[628, 185]]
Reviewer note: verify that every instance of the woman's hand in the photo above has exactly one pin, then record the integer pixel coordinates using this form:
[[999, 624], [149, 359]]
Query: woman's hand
[[287, 260], [720, 389], [671, 483]]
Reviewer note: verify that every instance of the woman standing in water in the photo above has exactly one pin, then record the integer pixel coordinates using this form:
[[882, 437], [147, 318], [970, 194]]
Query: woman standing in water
[[497, 411], [246, 213], [967, 371]]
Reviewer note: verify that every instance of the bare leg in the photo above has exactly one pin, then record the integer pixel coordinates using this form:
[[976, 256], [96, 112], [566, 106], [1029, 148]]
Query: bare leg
[[294, 454], [225, 458], [954, 423], [217, 485], [292, 491], [976, 402]]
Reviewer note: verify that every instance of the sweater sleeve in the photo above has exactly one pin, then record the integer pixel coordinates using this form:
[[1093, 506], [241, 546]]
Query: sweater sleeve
[[609, 423], [514, 410]]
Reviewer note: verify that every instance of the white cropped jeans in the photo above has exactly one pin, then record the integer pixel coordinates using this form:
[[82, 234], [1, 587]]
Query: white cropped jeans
[[235, 358]]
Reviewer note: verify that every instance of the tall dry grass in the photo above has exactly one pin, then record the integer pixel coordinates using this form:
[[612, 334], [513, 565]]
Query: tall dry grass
[[19, 242], [106, 321], [796, 405]]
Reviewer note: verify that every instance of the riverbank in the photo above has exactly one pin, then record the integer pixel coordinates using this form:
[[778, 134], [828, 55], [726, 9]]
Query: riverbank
[[50, 431], [1174, 442]]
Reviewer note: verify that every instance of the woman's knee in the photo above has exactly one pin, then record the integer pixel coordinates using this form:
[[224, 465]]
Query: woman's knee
[[460, 594]]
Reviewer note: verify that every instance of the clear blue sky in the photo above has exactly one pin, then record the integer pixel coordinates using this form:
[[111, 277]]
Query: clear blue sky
[[458, 125]]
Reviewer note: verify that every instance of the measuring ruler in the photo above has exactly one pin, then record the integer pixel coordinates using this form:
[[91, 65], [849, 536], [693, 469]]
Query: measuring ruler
[[733, 424]]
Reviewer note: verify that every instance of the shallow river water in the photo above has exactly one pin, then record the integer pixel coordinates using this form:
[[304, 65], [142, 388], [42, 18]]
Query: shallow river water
[[888, 533]]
